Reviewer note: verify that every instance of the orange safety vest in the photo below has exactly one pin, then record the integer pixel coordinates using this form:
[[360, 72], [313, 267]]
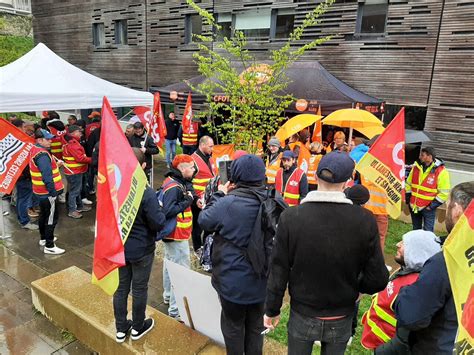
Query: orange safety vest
[[39, 187], [423, 192], [191, 137], [57, 147], [203, 174], [291, 192], [303, 156], [72, 165], [313, 168], [377, 203], [379, 322], [184, 220], [272, 168]]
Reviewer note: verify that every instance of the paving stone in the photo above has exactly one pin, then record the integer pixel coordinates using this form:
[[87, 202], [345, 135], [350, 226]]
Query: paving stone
[[8, 285], [74, 348], [21, 340], [47, 331], [22, 270], [55, 263], [13, 312]]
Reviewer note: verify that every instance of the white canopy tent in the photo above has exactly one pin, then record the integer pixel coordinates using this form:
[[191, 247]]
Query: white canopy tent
[[42, 80]]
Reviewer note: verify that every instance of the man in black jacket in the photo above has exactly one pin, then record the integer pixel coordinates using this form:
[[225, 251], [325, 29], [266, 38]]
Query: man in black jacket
[[139, 256], [145, 143], [172, 128], [326, 251]]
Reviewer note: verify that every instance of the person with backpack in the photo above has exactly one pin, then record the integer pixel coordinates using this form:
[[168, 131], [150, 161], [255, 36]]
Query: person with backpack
[[232, 214], [177, 196]]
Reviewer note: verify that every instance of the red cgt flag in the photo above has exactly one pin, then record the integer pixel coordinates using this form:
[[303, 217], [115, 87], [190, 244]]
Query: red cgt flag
[[188, 115], [158, 120], [120, 185], [384, 163], [15, 146]]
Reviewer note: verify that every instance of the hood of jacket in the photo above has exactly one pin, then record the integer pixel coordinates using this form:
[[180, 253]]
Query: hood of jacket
[[176, 175], [419, 246]]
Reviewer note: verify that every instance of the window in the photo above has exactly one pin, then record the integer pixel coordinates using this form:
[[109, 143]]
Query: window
[[193, 26], [254, 24], [121, 32], [225, 21], [372, 16], [284, 23], [98, 34]]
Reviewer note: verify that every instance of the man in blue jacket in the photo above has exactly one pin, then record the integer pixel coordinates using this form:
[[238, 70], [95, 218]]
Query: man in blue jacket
[[139, 255], [426, 308], [241, 291]]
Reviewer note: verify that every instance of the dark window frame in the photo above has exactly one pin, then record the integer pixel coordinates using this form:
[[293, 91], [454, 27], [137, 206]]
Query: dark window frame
[[274, 23], [121, 32], [364, 7], [189, 28], [98, 34]]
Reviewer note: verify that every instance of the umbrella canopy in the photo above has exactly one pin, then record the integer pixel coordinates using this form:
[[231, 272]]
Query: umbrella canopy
[[371, 132], [296, 124], [352, 118], [413, 136]]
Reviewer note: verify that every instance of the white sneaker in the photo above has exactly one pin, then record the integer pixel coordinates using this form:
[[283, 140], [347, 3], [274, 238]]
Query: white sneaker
[[30, 226], [62, 198], [42, 242], [86, 201], [54, 250]]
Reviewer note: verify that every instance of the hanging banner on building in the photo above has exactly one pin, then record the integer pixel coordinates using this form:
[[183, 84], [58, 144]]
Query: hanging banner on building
[[458, 252], [384, 163], [15, 146]]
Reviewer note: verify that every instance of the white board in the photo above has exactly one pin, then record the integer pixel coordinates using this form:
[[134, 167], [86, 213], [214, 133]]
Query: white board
[[203, 301]]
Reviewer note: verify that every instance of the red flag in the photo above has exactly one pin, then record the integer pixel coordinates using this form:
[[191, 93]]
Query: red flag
[[144, 115], [120, 185], [15, 146], [188, 115], [317, 131], [384, 163], [158, 120]]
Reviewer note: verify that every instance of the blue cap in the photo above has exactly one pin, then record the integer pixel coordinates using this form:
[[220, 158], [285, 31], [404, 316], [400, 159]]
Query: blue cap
[[288, 154], [339, 164], [42, 133]]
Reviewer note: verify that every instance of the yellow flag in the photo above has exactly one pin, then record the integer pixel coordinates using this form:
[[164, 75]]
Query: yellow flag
[[459, 255]]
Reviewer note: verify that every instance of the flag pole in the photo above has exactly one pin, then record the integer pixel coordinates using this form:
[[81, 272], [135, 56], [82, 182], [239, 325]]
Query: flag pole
[[4, 234], [65, 167]]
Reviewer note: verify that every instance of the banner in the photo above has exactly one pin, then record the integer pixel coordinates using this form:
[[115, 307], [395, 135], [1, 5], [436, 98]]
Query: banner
[[188, 116], [384, 163], [318, 129], [145, 116], [222, 152], [158, 126], [15, 146], [120, 185], [458, 253]]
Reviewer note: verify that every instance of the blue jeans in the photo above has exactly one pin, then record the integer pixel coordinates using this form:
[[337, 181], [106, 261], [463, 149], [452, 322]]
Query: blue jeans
[[177, 252], [424, 219], [74, 185], [170, 146], [134, 275], [304, 331], [24, 198]]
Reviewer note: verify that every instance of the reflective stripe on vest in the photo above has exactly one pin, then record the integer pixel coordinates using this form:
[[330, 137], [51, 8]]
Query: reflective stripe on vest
[[72, 165], [377, 202], [39, 186], [191, 137], [291, 192], [272, 169], [203, 174], [424, 186], [184, 220]]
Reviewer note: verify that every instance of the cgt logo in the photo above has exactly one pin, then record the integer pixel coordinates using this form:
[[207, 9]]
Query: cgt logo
[[293, 183]]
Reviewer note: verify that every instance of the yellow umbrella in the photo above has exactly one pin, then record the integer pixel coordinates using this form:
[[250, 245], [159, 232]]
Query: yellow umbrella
[[371, 132], [296, 124], [352, 118]]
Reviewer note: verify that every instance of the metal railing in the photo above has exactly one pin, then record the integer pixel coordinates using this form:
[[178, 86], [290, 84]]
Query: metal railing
[[18, 7]]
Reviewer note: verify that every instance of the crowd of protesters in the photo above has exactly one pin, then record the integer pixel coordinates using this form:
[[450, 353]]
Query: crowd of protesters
[[327, 251]]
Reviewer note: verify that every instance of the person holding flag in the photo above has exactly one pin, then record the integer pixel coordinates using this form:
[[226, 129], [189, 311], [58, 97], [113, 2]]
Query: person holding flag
[[47, 185], [427, 307], [189, 130], [142, 140]]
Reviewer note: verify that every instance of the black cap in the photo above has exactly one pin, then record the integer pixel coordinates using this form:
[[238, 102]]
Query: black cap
[[138, 125], [339, 164]]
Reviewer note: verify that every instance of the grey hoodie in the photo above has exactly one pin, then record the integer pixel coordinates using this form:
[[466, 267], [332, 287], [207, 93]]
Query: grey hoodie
[[419, 246]]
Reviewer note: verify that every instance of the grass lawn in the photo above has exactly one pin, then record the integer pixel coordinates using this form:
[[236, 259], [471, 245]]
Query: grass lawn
[[395, 231]]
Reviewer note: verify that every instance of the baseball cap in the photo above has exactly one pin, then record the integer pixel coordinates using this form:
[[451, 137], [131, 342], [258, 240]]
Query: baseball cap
[[42, 133], [94, 114], [138, 125], [73, 128], [275, 142], [288, 154], [339, 164]]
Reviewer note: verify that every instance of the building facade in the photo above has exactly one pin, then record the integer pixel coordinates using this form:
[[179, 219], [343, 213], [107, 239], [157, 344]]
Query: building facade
[[416, 53]]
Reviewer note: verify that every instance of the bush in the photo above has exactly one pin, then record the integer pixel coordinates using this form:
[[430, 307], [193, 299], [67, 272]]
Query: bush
[[13, 47]]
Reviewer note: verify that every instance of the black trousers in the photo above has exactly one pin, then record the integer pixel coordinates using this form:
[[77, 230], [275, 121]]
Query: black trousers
[[48, 218], [197, 230], [241, 325]]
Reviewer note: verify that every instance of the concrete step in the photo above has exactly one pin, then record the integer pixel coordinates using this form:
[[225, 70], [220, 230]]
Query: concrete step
[[70, 300]]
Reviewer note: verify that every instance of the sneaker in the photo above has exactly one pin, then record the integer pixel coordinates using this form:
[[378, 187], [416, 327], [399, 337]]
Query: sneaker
[[36, 209], [54, 250], [177, 318], [62, 198], [84, 209], [91, 192], [42, 242], [32, 213], [86, 201], [30, 226], [166, 301], [75, 214], [147, 326], [389, 268], [317, 343], [120, 336], [349, 342]]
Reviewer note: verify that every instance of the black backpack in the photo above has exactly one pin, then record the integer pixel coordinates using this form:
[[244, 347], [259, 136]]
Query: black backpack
[[259, 249]]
